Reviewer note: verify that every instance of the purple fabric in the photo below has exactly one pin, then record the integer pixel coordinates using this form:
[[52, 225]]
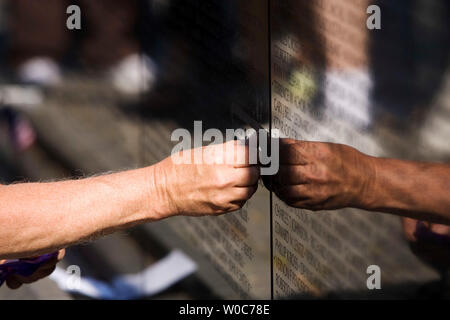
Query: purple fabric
[[24, 267], [423, 233]]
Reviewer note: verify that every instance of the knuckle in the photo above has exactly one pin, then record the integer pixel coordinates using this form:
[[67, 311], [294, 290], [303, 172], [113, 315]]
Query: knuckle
[[224, 179], [241, 154], [243, 193], [318, 174], [321, 150], [245, 175], [219, 202]]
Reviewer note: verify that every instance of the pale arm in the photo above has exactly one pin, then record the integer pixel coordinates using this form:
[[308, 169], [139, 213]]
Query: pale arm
[[42, 217], [38, 218]]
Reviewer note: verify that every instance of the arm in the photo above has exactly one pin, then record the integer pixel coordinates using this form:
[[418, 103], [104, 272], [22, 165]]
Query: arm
[[414, 189], [325, 176], [42, 217]]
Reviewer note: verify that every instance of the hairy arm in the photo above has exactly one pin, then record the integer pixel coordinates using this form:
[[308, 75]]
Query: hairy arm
[[42, 217], [36, 218]]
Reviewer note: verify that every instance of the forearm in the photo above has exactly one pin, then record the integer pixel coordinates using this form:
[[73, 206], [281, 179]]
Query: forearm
[[414, 189], [328, 176], [42, 217]]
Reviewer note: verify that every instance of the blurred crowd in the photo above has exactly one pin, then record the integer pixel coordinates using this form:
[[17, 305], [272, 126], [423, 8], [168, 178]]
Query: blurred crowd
[[37, 50], [40, 45], [134, 46]]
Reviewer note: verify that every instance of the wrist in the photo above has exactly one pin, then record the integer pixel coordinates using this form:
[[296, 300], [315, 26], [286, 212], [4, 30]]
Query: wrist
[[161, 202], [365, 196]]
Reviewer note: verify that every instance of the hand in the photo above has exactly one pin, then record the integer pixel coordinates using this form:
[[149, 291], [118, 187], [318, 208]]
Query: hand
[[321, 176], [15, 281], [220, 184], [429, 241]]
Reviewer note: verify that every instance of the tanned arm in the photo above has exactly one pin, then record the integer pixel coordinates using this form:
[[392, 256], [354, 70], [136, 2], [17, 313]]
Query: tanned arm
[[326, 176]]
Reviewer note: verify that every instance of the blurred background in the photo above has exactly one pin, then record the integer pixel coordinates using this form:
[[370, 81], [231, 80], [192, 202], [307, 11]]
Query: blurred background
[[104, 98], [107, 97]]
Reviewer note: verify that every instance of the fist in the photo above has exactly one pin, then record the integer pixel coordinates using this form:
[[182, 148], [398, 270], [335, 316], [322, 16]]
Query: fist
[[320, 176], [221, 182], [16, 281]]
